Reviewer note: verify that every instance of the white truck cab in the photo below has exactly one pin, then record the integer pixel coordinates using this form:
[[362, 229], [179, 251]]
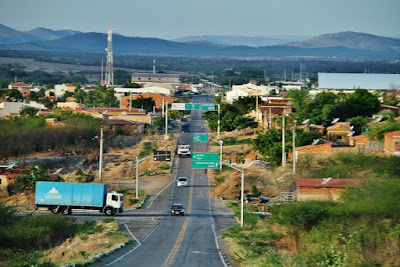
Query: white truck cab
[[113, 203]]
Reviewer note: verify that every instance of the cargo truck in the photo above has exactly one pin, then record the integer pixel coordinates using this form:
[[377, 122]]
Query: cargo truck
[[63, 197]]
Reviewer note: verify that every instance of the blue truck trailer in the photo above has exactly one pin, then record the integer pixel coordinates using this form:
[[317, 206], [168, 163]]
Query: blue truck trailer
[[64, 197]]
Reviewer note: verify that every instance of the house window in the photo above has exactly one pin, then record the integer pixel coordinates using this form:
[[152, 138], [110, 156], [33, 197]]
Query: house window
[[138, 78], [149, 79], [339, 137]]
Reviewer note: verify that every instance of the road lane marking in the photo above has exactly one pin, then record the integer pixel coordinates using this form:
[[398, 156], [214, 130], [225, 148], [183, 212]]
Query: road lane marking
[[178, 242], [138, 245]]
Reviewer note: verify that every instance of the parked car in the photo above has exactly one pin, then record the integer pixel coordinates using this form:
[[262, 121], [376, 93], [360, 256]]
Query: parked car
[[182, 182], [262, 199], [177, 209], [248, 198]]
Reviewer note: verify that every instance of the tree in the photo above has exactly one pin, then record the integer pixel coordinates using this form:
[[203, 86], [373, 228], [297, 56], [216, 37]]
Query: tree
[[13, 95], [359, 123], [146, 103], [28, 112], [299, 98], [361, 103], [377, 132], [131, 85]]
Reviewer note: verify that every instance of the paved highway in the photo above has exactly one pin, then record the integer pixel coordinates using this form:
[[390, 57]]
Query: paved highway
[[190, 240]]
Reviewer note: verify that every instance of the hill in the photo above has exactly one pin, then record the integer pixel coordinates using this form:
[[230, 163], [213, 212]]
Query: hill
[[253, 41], [353, 40], [11, 36], [47, 34], [336, 45]]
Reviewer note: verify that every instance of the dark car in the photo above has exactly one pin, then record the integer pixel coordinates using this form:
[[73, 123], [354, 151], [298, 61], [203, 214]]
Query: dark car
[[177, 209]]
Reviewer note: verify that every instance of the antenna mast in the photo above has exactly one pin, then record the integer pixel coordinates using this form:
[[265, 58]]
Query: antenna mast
[[109, 65]]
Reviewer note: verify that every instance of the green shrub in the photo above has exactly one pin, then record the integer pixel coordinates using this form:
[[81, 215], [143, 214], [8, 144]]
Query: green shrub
[[304, 215], [165, 167], [133, 200]]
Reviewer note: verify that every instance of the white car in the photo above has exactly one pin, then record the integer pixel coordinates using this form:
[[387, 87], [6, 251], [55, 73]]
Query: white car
[[182, 181]]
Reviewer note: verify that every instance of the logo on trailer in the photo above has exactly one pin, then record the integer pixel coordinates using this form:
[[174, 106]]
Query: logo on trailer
[[53, 194]]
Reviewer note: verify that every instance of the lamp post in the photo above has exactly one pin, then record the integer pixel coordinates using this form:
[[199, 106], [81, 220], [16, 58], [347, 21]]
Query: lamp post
[[220, 142], [166, 121], [241, 194], [294, 147], [101, 156]]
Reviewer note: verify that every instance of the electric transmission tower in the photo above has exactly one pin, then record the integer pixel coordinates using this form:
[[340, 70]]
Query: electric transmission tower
[[109, 79]]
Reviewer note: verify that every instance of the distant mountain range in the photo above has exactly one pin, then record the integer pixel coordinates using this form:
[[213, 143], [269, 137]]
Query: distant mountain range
[[11, 36], [253, 41], [341, 45]]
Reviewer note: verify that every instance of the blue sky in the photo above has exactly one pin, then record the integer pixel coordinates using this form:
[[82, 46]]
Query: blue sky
[[178, 18]]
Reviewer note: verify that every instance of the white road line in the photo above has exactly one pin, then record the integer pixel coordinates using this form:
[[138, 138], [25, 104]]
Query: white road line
[[138, 245], [151, 203]]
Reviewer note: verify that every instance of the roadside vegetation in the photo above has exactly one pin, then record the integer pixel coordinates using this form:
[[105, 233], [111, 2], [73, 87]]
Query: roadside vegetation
[[47, 241], [30, 134], [361, 230]]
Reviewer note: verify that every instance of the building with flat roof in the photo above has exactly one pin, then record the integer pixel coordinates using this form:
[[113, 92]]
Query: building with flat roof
[[155, 78], [352, 81]]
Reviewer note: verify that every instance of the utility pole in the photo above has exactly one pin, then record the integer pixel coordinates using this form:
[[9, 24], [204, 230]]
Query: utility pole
[[101, 156], [219, 120], [283, 141], [166, 122], [294, 147], [137, 178]]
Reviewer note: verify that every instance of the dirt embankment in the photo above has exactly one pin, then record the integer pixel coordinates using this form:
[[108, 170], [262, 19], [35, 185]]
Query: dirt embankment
[[119, 171], [270, 181]]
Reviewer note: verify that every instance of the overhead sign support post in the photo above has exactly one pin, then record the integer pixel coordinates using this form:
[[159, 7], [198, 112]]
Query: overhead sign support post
[[241, 194], [205, 160]]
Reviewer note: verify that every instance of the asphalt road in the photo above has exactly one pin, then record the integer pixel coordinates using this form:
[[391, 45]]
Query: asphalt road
[[189, 240]]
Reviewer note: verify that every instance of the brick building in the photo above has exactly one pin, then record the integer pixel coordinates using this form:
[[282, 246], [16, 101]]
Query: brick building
[[23, 88], [340, 132], [158, 99], [313, 189], [392, 143]]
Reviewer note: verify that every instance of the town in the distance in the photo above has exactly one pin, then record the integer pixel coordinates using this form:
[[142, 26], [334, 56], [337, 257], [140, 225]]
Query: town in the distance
[[119, 158]]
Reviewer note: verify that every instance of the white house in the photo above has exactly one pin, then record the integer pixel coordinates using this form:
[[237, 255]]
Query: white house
[[119, 91], [61, 89], [246, 90]]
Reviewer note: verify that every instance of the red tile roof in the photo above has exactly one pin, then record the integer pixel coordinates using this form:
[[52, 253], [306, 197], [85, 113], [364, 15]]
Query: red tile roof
[[122, 122], [392, 134], [359, 137], [333, 183], [20, 84]]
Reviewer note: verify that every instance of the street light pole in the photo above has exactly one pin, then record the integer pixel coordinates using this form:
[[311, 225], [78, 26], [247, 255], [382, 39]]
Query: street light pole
[[220, 142], [241, 194], [294, 147], [101, 156], [166, 122], [219, 120], [137, 178]]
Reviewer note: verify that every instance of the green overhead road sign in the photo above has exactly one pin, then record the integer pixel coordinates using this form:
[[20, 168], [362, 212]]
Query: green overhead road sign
[[200, 137], [210, 107], [205, 160], [192, 106]]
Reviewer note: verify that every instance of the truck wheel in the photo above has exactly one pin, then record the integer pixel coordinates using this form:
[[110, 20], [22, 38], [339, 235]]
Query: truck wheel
[[182, 213], [53, 209], [109, 211], [66, 211]]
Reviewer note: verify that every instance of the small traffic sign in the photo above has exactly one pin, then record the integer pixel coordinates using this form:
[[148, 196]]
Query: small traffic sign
[[178, 106], [200, 137], [205, 161], [192, 106], [210, 107]]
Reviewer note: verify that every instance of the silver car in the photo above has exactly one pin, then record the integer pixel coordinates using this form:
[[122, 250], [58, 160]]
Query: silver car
[[182, 182]]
